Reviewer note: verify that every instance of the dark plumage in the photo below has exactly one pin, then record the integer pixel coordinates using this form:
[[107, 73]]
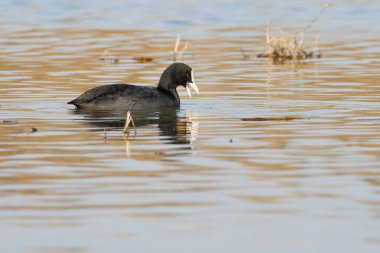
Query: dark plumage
[[132, 97]]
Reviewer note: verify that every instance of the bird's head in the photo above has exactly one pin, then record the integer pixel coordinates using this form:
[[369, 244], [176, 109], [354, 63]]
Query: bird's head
[[178, 74]]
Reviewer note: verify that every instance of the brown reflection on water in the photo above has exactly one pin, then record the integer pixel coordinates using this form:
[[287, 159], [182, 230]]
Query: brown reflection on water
[[199, 163]]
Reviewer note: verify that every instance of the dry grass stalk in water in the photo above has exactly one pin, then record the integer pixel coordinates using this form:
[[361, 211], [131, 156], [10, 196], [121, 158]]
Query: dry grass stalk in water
[[183, 50], [106, 56], [128, 120], [291, 46], [176, 47]]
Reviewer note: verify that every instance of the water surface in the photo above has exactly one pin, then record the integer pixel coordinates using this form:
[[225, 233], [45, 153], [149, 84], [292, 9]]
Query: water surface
[[196, 179]]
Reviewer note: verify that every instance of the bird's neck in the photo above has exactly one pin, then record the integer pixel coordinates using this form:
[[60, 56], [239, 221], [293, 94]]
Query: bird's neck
[[171, 92], [167, 86]]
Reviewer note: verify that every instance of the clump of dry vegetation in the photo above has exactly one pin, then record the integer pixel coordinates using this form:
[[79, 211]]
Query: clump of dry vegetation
[[291, 45]]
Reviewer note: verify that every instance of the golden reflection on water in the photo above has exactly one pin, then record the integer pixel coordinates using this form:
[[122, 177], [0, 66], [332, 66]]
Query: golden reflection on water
[[200, 163]]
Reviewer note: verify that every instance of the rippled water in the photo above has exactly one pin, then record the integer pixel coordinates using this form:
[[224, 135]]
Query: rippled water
[[197, 179]]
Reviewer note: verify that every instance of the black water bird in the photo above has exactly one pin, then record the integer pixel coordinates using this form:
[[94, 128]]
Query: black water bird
[[132, 97]]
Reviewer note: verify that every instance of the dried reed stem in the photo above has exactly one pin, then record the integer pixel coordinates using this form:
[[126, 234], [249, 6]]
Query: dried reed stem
[[128, 120], [183, 50], [178, 40], [315, 19], [176, 48], [176, 45]]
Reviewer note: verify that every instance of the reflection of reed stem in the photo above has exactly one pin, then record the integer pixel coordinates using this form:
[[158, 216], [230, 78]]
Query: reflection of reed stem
[[127, 145]]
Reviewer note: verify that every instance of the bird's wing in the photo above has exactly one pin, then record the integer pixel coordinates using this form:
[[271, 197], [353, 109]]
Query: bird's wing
[[121, 90]]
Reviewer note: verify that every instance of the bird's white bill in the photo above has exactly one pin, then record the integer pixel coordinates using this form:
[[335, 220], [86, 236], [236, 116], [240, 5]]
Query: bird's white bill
[[192, 85], [188, 90]]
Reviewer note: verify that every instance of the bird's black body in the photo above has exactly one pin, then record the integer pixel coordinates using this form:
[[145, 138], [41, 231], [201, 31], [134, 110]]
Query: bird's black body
[[124, 96], [132, 97]]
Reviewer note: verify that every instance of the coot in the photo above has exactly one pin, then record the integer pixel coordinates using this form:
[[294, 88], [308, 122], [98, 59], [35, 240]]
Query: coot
[[132, 97]]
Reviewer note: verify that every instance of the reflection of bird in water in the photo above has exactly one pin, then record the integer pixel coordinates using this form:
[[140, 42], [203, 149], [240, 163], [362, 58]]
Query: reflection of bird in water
[[174, 128]]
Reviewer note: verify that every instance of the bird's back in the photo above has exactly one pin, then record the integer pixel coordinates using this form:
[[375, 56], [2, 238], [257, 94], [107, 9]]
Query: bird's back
[[121, 97]]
